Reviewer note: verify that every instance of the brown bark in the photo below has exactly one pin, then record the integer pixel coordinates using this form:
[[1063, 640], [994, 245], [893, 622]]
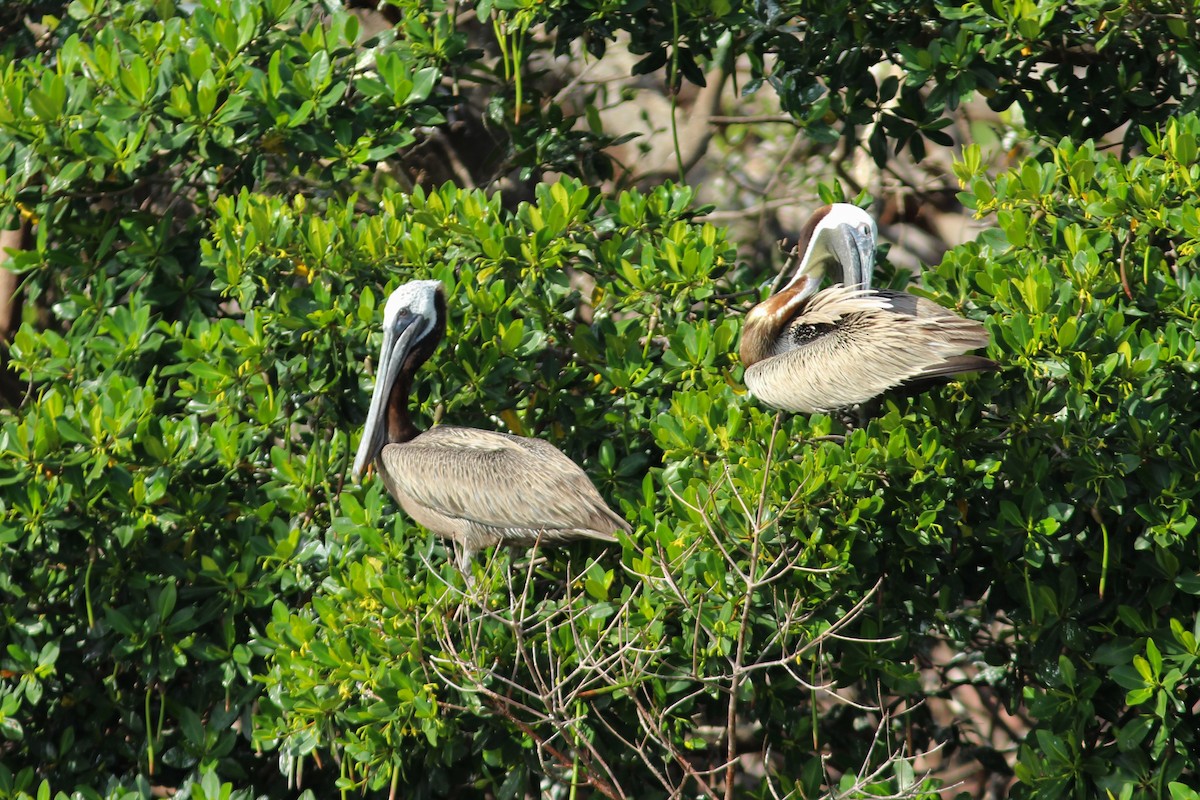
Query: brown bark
[[10, 309], [10, 239]]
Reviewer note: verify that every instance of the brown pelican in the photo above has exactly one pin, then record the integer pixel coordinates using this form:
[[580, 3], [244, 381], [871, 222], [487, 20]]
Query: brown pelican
[[806, 350], [476, 488]]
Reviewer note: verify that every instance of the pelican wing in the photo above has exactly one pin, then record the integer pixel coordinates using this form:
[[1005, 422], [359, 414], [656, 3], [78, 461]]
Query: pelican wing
[[933, 337], [910, 339], [499, 481], [846, 346]]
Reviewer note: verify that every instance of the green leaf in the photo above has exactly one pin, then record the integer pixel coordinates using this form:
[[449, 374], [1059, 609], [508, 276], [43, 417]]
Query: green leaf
[[1181, 791], [165, 601], [422, 84], [136, 78], [11, 729]]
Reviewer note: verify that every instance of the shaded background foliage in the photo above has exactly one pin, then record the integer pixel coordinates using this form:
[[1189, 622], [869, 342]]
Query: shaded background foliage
[[1117, 62], [207, 204]]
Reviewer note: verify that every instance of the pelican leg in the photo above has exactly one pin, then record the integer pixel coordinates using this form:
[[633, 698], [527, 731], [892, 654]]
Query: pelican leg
[[462, 559]]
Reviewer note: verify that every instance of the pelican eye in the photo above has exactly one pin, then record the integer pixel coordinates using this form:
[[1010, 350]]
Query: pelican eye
[[403, 317]]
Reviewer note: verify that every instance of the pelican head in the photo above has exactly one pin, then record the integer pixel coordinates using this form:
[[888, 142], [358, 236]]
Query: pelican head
[[842, 234], [413, 322]]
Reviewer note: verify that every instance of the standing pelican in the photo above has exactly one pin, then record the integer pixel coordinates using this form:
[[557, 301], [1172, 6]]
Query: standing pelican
[[476, 488], [806, 350]]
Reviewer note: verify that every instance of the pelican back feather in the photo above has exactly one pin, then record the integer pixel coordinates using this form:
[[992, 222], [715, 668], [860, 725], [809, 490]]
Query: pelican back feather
[[846, 346], [481, 489]]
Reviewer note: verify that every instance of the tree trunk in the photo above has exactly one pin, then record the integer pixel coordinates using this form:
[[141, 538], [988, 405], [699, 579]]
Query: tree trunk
[[10, 309]]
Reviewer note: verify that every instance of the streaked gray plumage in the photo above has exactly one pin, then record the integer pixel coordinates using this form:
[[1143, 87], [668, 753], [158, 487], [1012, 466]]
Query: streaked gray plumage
[[482, 489], [807, 350], [477, 488]]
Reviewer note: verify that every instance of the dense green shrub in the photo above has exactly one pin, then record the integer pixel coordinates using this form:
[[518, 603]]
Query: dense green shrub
[[149, 518], [195, 598], [1093, 551]]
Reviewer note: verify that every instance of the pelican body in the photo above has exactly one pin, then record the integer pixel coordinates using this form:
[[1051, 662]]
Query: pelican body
[[806, 350], [477, 488]]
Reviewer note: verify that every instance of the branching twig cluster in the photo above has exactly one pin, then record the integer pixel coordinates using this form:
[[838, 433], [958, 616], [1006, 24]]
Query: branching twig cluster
[[582, 692], [544, 692]]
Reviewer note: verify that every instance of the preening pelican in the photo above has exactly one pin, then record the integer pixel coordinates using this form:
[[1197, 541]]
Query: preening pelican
[[477, 488], [806, 350]]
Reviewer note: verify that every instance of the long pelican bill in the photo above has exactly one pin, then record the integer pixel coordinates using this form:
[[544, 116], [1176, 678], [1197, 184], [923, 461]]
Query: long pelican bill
[[854, 250], [843, 237], [398, 339]]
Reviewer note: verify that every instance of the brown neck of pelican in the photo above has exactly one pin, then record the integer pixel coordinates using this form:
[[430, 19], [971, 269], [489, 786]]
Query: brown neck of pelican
[[800, 251], [767, 320], [400, 427]]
